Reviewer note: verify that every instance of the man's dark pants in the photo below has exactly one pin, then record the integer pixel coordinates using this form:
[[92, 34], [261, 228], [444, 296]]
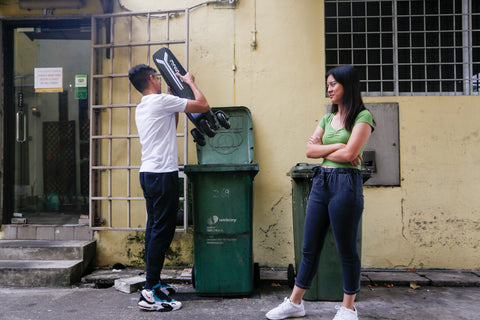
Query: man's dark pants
[[161, 192]]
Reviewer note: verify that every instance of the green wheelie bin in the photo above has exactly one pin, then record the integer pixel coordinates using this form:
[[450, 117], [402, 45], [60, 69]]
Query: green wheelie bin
[[328, 282], [222, 208]]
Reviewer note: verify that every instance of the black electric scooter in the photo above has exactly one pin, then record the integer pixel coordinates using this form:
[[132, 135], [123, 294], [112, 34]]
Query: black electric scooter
[[206, 123]]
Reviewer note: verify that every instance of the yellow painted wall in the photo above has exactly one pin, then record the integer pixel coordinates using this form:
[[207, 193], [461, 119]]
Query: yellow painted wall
[[430, 221], [231, 72]]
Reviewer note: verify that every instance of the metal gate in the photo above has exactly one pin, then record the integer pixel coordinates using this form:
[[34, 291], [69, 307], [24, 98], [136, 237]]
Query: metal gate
[[119, 42]]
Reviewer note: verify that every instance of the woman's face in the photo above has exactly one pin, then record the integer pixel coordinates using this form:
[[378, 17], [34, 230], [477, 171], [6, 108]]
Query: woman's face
[[334, 90]]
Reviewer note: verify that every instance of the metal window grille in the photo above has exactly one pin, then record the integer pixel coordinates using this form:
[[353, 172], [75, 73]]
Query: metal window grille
[[406, 47], [119, 42]]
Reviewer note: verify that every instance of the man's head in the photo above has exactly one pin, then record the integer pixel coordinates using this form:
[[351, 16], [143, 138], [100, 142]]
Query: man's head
[[140, 76]]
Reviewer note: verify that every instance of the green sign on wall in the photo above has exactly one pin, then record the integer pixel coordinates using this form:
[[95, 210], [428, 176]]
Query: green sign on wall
[[81, 86]]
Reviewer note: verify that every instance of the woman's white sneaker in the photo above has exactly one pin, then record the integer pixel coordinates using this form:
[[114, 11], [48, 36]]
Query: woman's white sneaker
[[286, 309], [345, 314]]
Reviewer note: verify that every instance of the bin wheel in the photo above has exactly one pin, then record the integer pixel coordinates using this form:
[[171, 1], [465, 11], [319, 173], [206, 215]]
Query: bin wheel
[[256, 275], [291, 276], [223, 119], [198, 137], [193, 276], [207, 128]]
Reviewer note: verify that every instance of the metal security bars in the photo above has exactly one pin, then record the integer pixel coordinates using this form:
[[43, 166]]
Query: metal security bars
[[404, 47], [119, 42]]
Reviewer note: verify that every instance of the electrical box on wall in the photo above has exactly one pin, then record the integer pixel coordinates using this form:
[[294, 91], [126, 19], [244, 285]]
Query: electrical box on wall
[[381, 157], [385, 142]]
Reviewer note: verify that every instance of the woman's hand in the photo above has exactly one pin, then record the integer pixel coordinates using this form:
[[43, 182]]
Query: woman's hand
[[357, 161], [316, 149], [351, 153], [314, 140]]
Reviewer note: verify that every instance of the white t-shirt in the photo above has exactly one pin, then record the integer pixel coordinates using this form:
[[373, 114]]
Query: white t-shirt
[[155, 120]]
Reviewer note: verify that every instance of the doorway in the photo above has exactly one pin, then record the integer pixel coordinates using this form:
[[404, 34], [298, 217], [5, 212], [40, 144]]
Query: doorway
[[47, 121]]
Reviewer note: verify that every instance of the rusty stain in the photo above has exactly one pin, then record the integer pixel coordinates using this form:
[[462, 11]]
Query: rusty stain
[[449, 232]]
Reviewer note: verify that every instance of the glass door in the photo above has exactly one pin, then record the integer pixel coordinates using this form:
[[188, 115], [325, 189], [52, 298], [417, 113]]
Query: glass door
[[51, 66]]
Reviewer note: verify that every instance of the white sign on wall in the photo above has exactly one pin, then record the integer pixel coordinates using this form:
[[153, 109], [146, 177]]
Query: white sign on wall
[[49, 79]]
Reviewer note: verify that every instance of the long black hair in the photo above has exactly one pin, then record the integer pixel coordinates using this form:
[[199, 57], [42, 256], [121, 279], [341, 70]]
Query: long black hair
[[352, 102]]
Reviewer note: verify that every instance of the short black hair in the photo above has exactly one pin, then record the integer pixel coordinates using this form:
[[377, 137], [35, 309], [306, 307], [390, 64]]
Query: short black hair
[[139, 76]]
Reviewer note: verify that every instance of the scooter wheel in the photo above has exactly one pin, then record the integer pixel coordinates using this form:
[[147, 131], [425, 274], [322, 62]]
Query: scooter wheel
[[207, 128], [198, 137], [223, 119]]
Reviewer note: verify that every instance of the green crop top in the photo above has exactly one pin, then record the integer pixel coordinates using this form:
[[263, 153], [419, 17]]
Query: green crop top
[[331, 136]]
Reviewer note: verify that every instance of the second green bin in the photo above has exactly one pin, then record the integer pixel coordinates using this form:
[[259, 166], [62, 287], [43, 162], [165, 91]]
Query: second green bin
[[328, 283]]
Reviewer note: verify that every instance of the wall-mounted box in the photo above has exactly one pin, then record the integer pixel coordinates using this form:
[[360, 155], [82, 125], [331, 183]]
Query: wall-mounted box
[[384, 162]]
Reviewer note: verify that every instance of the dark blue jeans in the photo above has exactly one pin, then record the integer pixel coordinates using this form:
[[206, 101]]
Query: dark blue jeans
[[161, 191], [336, 199]]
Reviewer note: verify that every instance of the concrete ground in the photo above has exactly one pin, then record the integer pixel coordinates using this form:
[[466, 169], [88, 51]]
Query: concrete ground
[[380, 301]]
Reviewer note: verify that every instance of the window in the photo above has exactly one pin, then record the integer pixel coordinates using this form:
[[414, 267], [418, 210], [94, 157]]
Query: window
[[406, 47]]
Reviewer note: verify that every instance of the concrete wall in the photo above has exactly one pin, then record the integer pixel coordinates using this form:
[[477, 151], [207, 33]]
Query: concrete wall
[[429, 221]]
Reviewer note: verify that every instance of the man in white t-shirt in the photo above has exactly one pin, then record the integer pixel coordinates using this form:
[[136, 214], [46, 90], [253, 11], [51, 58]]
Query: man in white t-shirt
[[156, 118]]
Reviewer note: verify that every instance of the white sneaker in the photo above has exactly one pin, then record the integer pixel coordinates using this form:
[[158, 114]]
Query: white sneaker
[[345, 314], [146, 297], [147, 302], [286, 309], [165, 301], [151, 300]]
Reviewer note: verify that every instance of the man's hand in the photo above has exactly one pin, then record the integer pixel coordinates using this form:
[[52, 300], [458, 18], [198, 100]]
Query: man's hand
[[188, 77]]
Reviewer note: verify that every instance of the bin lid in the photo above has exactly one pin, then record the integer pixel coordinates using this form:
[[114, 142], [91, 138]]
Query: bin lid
[[233, 145], [302, 171], [196, 168]]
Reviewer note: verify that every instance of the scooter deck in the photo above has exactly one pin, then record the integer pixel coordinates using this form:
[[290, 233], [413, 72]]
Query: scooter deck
[[168, 65]]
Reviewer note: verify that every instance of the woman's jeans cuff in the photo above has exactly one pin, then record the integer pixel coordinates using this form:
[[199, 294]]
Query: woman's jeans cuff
[[351, 293], [301, 286]]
